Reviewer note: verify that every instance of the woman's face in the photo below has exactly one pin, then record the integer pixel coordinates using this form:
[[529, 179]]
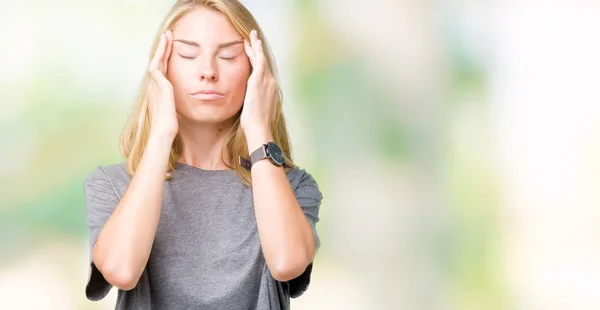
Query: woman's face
[[208, 67]]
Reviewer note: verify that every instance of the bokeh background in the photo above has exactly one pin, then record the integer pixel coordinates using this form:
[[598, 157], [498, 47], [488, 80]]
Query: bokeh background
[[457, 144]]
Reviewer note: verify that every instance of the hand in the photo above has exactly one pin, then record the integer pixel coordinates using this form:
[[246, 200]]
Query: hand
[[262, 90], [160, 98]]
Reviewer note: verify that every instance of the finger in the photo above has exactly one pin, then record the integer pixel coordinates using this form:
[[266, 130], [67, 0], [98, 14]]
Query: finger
[[253, 36], [260, 56], [158, 54], [249, 52], [253, 42], [169, 48], [259, 62]]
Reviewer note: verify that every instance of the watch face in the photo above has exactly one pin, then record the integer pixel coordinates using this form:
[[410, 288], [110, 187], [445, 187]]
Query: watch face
[[275, 153]]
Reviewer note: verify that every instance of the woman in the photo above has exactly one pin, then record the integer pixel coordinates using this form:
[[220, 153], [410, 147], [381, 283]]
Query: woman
[[208, 211]]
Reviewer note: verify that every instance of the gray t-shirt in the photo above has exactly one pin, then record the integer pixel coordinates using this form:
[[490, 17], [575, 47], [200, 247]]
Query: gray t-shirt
[[206, 252]]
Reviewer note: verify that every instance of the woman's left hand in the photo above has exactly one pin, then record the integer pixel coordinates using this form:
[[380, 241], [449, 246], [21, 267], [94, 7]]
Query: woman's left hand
[[261, 93]]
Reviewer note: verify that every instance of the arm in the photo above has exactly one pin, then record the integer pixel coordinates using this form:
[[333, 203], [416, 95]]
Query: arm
[[124, 243], [286, 237]]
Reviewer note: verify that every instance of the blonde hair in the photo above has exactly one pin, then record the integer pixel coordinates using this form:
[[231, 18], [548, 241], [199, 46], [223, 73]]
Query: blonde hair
[[137, 130]]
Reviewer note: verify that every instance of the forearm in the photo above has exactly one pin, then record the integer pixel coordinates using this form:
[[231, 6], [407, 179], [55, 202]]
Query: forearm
[[124, 243], [286, 237]]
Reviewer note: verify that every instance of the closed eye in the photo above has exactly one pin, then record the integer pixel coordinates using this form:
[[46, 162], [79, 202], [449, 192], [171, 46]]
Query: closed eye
[[191, 57], [186, 57]]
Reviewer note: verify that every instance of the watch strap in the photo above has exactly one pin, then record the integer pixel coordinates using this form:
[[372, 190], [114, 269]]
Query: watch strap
[[258, 154], [244, 163]]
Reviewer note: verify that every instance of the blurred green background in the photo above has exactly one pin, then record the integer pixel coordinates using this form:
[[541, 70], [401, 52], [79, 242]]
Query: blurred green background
[[456, 144]]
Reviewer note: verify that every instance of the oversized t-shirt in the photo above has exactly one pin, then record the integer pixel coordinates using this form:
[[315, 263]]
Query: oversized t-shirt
[[206, 253]]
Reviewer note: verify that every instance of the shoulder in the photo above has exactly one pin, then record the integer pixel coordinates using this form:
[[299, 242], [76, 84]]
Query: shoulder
[[108, 172], [116, 175]]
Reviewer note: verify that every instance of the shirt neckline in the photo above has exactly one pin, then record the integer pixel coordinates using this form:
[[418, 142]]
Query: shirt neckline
[[190, 167]]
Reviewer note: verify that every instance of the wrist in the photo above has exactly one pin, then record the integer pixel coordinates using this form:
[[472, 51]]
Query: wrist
[[256, 138], [160, 140], [256, 129]]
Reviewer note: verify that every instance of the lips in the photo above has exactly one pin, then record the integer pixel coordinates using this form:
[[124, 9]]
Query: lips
[[207, 94]]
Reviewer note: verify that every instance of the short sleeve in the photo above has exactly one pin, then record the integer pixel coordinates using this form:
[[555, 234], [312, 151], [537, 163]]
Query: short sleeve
[[101, 200], [309, 198]]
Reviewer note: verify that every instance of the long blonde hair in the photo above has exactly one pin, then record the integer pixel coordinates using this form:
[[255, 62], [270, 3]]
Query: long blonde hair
[[137, 130]]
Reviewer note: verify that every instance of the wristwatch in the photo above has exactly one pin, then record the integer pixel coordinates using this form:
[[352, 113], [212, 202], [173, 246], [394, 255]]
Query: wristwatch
[[269, 150]]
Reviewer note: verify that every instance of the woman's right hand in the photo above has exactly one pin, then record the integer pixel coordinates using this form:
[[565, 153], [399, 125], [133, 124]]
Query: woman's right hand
[[160, 97]]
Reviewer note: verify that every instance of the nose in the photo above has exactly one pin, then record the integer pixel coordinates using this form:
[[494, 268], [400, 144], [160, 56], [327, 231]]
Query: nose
[[208, 70]]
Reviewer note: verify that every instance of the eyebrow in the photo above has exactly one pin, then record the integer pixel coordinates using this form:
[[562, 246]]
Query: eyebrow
[[222, 45]]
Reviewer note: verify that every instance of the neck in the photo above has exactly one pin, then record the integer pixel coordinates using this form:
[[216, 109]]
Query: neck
[[204, 144]]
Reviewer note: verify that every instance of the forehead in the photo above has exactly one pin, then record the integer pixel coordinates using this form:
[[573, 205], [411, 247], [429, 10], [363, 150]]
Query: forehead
[[207, 25]]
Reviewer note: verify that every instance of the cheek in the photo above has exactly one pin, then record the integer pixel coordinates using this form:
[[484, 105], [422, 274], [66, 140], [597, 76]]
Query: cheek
[[179, 76], [176, 73], [236, 77]]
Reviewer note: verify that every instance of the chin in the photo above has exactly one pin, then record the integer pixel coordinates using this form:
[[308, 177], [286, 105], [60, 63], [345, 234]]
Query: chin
[[210, 112], [209, 117]]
